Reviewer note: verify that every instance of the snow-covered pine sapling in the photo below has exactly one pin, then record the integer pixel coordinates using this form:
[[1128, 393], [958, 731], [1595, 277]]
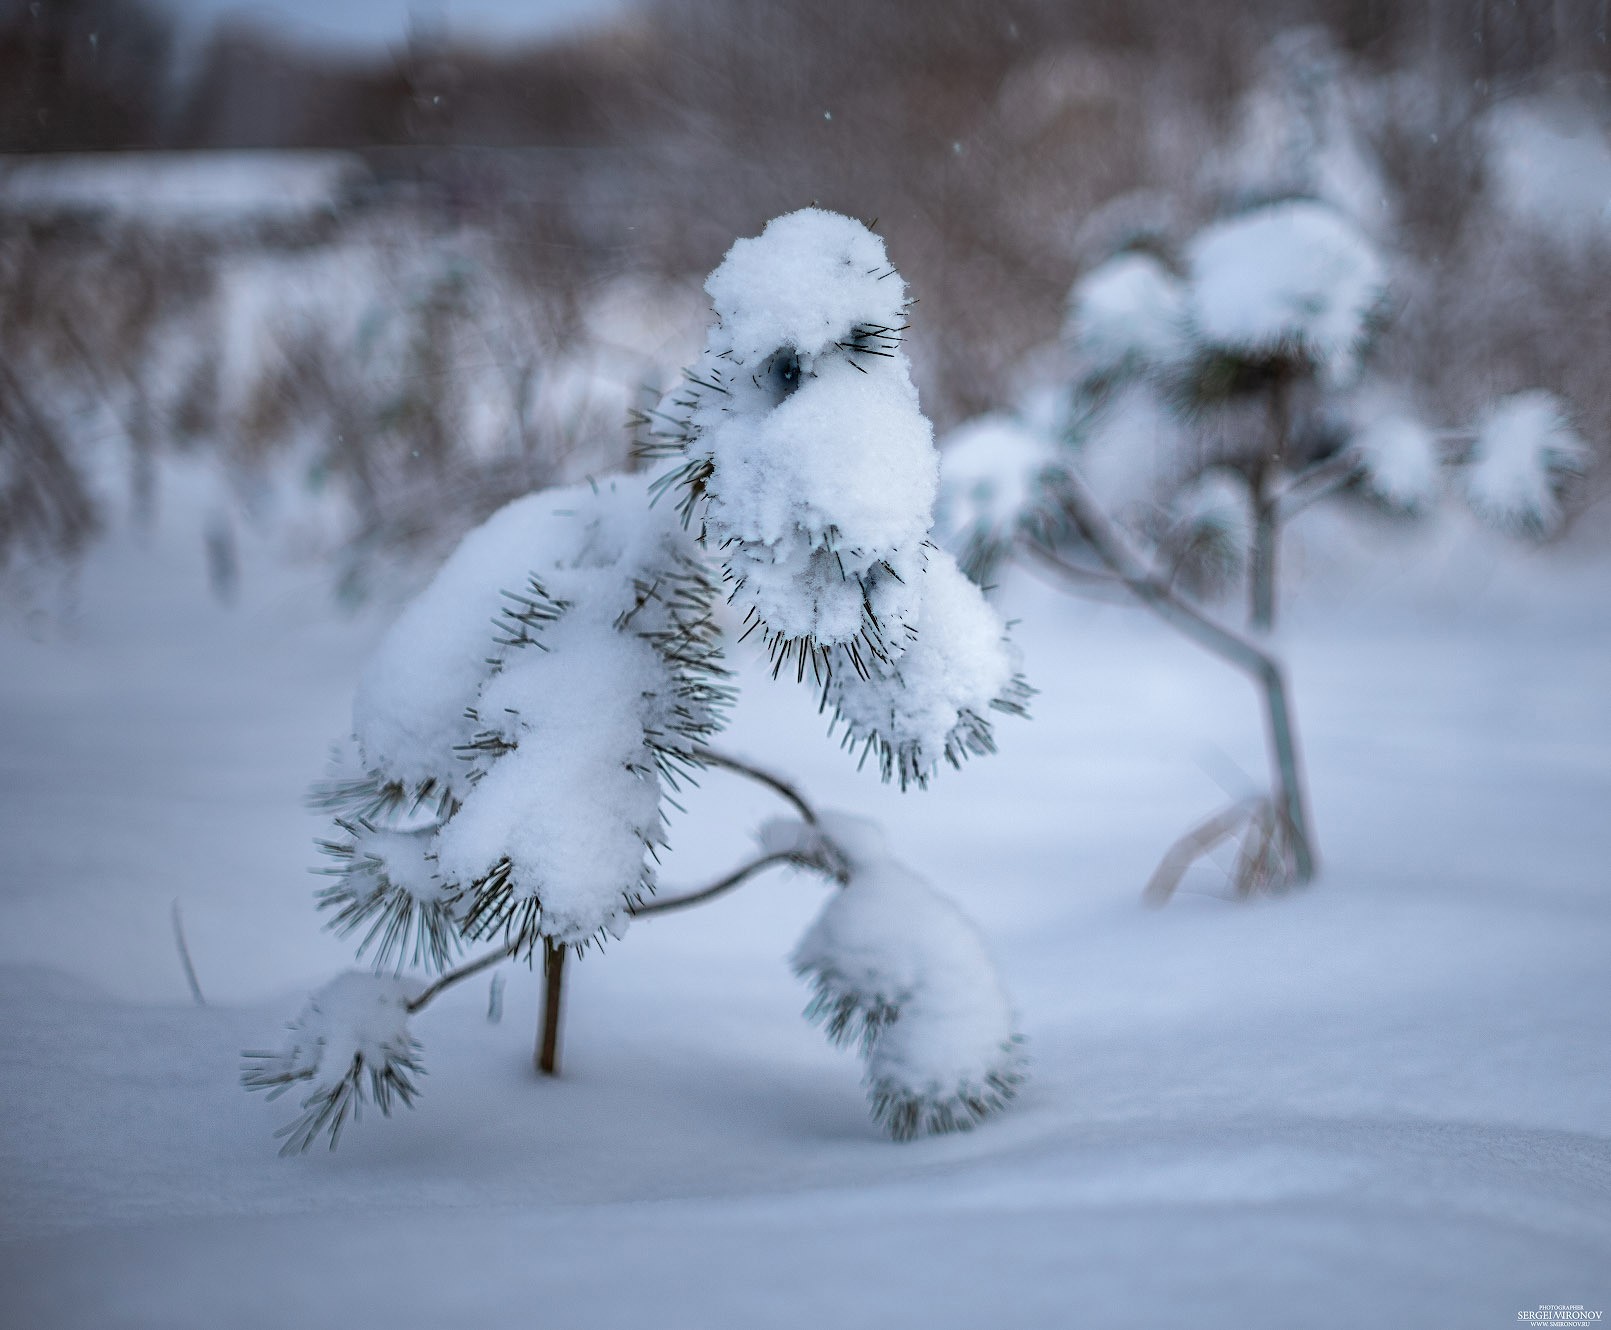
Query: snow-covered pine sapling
[[524, 725], [1269, 319], [1232, 382]]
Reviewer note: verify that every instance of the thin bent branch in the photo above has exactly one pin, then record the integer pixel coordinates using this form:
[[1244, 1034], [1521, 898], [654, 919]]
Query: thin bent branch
[[715, 758], [735, 878], [1116, 552], [1319, 481], [466, 971], [711, 757], [1094, 583]]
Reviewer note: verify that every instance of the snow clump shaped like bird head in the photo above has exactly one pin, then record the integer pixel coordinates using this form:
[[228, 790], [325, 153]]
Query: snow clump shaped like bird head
[[805, 441]]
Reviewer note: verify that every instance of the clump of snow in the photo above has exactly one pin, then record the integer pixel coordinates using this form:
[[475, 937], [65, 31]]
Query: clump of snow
[[805, 282], [811, 471], [559, 667], [403, 860], [1211, 529], [571, 806], [828, 494], [804, 439], [1551, 167], [1127, 315], [1525, 448], [409, 712], [901, 972], [992, 472], [1398, 456], [387, 879], [1294, 277], [351, 1041], [933, 701]]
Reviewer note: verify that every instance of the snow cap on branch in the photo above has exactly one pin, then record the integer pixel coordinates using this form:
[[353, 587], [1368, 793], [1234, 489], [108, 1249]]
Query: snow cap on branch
[[351, 1042], [567, 803], [577, 674], [1127, 316], [805, 282], [1524, 451], [1397, 453], [809, 464], [1294, 278], [903, 974], [933, 702], [993, 470]]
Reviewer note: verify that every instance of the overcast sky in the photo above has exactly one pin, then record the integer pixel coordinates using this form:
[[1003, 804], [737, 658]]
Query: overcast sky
[[381, 23]]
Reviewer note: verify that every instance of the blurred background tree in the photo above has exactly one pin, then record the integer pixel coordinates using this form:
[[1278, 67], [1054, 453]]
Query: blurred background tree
[[596, 172]]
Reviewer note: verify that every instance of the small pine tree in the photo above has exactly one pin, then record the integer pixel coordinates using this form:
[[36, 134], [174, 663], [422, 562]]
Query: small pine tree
[[524, 725], [1218, 392]]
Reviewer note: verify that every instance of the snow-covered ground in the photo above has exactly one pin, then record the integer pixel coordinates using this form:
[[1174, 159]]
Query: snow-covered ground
[[1383, 1102]]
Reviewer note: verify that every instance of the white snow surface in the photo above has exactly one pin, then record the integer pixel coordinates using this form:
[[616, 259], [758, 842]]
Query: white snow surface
[[1127, 315], [1382, 1101], [372, 27], [1294, 276], [1525, 447]]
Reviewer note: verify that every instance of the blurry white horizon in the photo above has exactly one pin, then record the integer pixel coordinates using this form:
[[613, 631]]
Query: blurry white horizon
[[365, 26]]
